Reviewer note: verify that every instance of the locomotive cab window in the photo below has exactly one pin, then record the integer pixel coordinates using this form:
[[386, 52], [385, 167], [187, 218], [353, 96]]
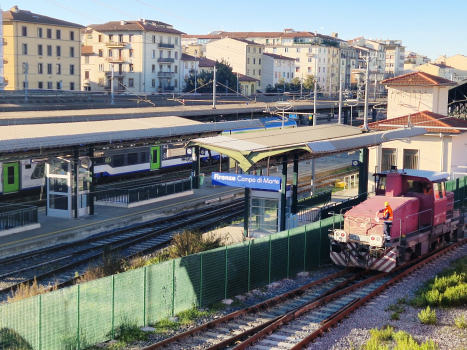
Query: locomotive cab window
[[381, 183]]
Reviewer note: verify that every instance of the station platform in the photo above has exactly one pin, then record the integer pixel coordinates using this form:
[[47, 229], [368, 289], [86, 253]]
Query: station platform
[[55, 230]]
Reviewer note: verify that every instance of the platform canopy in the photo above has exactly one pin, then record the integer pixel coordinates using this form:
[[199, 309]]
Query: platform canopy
[[315, 141]]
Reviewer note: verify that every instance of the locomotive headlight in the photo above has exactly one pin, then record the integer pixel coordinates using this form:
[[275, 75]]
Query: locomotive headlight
[[340, 236]]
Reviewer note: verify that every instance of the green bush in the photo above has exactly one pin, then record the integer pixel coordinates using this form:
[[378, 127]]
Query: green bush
[[385, 339], [427, 316], [460, 322]]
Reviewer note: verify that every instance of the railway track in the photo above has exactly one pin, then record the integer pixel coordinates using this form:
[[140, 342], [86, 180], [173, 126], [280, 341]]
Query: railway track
[[295, 319], [59, 265]]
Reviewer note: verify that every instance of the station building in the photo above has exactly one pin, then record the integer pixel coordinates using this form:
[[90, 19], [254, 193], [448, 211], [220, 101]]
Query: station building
[[40, 52]]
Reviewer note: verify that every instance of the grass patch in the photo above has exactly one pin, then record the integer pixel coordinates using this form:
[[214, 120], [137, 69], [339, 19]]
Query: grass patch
[[26, 290], [126, 334], [427, 316], [386, 338], [460, 322], [448, 288]]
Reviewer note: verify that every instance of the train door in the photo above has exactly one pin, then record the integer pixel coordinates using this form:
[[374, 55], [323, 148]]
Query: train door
[[155, 158], [10, 177]]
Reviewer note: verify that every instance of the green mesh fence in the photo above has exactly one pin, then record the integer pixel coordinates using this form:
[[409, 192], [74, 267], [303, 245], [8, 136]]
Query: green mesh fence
[[459, 187], [92, 312]]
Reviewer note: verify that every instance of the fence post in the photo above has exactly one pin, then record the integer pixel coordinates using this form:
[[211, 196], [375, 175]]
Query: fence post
[[270, 250], [145, 274], [39, 321], [77, 314], [113, 308], [173, 288], [226, 272], [201, 280], [304, 249], [319, 252]]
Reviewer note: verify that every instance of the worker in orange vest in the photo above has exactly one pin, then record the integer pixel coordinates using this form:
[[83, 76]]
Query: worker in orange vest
[[387, 217]]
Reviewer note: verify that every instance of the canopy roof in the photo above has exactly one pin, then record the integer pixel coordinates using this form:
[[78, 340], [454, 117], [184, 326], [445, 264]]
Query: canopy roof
[[319, 141]]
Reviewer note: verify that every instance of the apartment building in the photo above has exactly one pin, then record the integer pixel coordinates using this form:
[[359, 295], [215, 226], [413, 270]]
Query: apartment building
[[413, 60], [142, 56], [395, 56], [376, 68], [2, 85], [458, 64], [245, 57], [276, 68], [192, 63], [439, 69], [40, 52]]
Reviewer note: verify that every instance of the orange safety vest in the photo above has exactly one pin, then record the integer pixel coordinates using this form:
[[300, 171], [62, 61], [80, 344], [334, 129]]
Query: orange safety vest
[[388, 210]]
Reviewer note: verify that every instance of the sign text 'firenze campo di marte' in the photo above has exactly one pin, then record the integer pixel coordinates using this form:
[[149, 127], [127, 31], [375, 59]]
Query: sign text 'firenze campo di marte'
[[250, 181]]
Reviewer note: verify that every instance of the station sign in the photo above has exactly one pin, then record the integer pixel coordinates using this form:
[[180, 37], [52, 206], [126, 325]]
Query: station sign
[[257, 182]]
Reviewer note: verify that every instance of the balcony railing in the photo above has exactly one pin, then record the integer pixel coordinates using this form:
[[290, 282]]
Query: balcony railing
[[166, 74], [116, 59], [166, 60], [116, 73], [115, 44], [166, 88], [166, 46]]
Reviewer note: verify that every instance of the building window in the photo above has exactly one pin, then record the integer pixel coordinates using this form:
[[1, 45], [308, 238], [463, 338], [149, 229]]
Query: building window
[[24, 31], [286, 49], [58, 34], [86, 74], [247, 72], [176, 55], [111, 53], [260, 52], [59, 85], [72, 86], [49, 50], [259, 61], [131, 82], [100, 82], [131, 53], [153, 53], [130, 38], [186, 65], [39, 50], [248, 49], [248, 60], [49, 68], [39, 32], [254, 60], [288, 75], [175, 69], [176, 41], [410, 159], [72, 69], [59, 51], [153, 82], [254, 71], [131, 67], [175, 83], [111, 37], [72, 35], [259, 71], [49, 85], [40, 85], [153, 70], [72, 51], [101, 67], [25, 49], [298, 49], [49, 33], [388, 158], [59, 68], [101, 53], [99, 38], [153, 39]]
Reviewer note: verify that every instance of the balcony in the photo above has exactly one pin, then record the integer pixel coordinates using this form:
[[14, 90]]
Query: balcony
[[166, 88], [166, 74], [115, 44], [166, 46], [166, 60], [116, 59], [116, 74]]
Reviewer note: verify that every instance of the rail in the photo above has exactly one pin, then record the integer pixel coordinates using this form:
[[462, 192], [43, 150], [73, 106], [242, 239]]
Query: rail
[[144, 193], [12, 216]]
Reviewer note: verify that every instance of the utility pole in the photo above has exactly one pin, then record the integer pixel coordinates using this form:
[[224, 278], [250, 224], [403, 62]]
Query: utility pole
[[237, 84], [340, 102], [112, 102], [314, 102], [26, 67], [196, 70], [214, 90], [301, 87], [376, 81], [367, 77]]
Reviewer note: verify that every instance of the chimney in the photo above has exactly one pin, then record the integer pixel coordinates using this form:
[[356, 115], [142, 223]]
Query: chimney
[[334, 35], [122, 23], [15, 9]]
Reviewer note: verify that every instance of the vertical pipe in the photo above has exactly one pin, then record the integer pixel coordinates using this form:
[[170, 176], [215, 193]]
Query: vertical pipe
[[220, 162], [283, 192], [304, 249], [363, 172], [112, 86], [295, 183], [246, 214]]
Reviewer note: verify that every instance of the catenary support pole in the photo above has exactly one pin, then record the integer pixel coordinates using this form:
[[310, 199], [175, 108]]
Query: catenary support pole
[[340, 102], [295, 183], [314, 103], [246, 214], [283, 192], [367, 78], [93, 180], [214, 83], [112, 102], [75, 180]]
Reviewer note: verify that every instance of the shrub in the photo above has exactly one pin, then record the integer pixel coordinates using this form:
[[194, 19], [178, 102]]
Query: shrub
[[187, 243], [384, 339], [111, 264], [427, 316], [460, 322], [25, 290]]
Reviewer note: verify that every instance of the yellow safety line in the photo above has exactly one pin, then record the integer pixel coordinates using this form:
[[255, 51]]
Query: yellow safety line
[[97, 222]]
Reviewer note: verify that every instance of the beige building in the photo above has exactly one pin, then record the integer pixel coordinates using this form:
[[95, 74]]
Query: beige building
[[416, 92], [458, 64], [245, 57], [41, 50], [145, 57], [438, 69]]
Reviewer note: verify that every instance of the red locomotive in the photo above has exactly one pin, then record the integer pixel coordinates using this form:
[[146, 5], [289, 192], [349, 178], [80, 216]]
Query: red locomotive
[[423, 218]]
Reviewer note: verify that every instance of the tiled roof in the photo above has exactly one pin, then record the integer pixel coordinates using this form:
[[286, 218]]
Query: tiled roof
[[242, 77], [432, 122], [417, 78], [186, 57], [28, 16], [248, 42], [86, 50], [244, 35], [278, 57], [440, 65], [147, 25], [206, 62]]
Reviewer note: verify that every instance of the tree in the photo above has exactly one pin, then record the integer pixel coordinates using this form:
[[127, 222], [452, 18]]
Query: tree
[[295, 84], [204, 80], [309, 82]]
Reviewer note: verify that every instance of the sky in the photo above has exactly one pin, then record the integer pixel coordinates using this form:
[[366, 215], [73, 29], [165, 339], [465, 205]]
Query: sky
[[428, 27]]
